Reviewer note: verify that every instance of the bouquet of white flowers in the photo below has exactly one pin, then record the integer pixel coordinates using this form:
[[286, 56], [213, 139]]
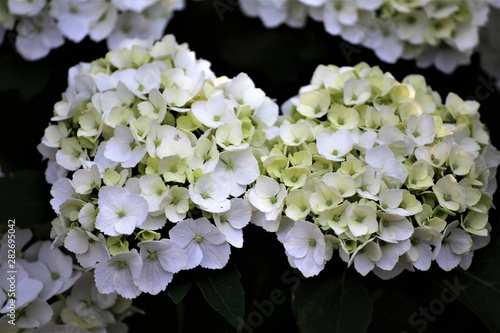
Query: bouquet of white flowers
[[37, 26], [149, 155], [383, 172]]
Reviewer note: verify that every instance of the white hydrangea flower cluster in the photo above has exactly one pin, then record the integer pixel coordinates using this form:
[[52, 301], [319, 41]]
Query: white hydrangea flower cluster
[[38, 26], [149, 156], [440, 33], [383, 172], [53, 294]]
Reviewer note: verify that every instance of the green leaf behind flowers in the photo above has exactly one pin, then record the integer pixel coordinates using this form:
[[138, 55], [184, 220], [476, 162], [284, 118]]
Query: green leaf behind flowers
[[179, 289], [340, 305], [481, 285], [223, 291], [24, 197]]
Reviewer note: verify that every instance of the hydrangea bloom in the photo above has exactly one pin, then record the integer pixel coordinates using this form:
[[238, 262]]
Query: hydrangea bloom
[[440, 33], [49, 272], [42, 25], [155, 154], [390, 175]]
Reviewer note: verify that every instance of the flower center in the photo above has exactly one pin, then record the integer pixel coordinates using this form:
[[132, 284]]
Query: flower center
[[198, 238]]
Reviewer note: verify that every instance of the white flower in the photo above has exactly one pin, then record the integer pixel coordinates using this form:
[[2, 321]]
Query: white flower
[[214, 112], [84, 181], [204, 244], [24, 296], [356, 91], [305, 248], [421, 129], [241, 89], [124, 147], [174, 142], [155, 107], [154, 190], [176, 203], [211, 193], [360, 219], [54, 269], [268, 196], [120, 211], [118, 273], [455, 243], [61, 191], [420, 252], [231, 223], [102, 27], [394, 227], [334, 147], [239, 167], [35, 314], [88, 248], [71, 156], [88, 304], [160, 260], [74, 17], [391, 253], [206, 155], [382, 159], [366, 256], [25, 7], [128, 26], [34, 41], [382, 38]]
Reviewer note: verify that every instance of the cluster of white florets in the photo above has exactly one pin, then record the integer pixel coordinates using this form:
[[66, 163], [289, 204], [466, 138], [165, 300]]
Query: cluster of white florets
[[149, 156], [383, 172], [440, 33], [43, 290], [37, 26]]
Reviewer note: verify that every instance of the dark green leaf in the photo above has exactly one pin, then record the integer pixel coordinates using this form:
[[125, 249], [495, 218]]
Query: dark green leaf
[[333, 306], [223, 291], [479, 287], [28, 78], [24, 197], [178, 290]]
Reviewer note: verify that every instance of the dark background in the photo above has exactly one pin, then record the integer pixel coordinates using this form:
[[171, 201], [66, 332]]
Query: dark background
[[279, 61]]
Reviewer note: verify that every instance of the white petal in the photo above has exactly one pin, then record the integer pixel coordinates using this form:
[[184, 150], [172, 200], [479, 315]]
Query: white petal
[[215, 256], [446, 259]]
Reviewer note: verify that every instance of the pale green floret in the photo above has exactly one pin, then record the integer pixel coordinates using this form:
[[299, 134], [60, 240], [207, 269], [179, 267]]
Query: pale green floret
[[295, 177], [343, 117], [450, 194], [420, 176], [297, 204], [476, 223], [117, 245]]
